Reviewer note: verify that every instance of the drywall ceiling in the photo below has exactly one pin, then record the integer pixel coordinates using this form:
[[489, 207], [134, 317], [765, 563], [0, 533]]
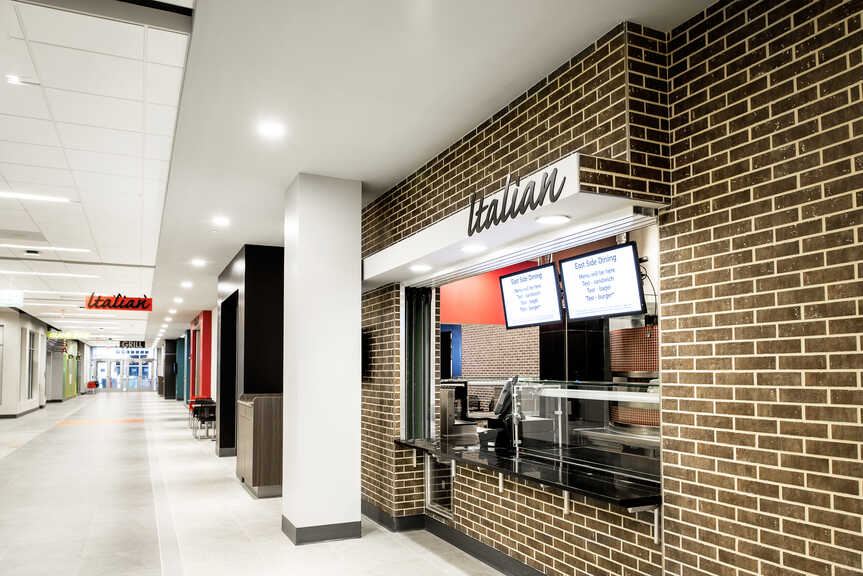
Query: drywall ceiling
[[366, 90], [90, 119]]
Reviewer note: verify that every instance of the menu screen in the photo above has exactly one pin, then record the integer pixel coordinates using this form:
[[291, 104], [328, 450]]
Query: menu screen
[[603, 283], [531, 297]]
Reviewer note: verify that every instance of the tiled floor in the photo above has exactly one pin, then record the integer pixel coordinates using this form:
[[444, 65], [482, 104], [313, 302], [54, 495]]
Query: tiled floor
[[115, 485]]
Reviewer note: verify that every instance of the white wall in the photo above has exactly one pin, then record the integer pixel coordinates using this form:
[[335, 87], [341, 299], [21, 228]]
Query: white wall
[[322, 372], [13, 398]]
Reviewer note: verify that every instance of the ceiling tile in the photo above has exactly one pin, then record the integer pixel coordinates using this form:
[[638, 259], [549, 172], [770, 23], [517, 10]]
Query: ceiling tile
[[88, 72], [18, 61], [16, 220], [166, 47], [163, 84], [22, 100], [160, 119], [156, 169], [156, 147], [11, 20], [48, 190], [105, 163], [36, 175], [93, 110], [79, 137], [28, 130], [82, 31], [103, 187], [32, 155]]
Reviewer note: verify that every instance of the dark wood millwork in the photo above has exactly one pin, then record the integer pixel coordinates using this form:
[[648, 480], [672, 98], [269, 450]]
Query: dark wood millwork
[[259, 443], [251, 294]]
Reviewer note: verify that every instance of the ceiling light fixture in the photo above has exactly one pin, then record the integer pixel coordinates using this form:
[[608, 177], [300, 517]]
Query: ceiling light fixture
[[473, 248], [220, 221], [172, 311], [178, 300], [198, 262], [36, 197], [271, 130], [420, 268], [54, 248], [553, 219], [168, 319], [164, 325], [53, 274], [186, 284], [13, 79]]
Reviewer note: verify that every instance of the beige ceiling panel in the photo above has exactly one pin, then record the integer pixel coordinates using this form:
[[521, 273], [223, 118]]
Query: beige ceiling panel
[[160, 119], [157, 147], [94, 110], [22, 100], [106, 188], [36, 175], [32, 154], [105, 163], [88, 72], [82, 31], [16, 220], [79, 137], [18, 61], [163, 84], [28, 130], [166, 47]]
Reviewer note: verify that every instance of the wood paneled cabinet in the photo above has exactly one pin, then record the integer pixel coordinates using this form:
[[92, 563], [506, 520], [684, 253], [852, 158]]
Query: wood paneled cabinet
[[259, 444]]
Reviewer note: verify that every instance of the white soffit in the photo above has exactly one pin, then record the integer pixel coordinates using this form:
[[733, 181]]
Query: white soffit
[[440, 245]]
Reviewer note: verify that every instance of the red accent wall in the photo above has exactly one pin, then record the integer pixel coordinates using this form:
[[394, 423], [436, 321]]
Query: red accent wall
[[202, 327], [476, 300]]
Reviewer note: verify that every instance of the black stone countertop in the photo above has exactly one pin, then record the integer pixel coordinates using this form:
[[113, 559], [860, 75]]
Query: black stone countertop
[[590, 481]]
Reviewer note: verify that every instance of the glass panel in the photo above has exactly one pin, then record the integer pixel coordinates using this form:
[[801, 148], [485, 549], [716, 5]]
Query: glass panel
[[439, 486], [102, 374], [116, 375], [133, 373], [32, 360], [613, 426]]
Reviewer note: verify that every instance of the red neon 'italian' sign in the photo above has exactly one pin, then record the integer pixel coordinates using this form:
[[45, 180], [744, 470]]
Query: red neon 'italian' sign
[[119, 302]]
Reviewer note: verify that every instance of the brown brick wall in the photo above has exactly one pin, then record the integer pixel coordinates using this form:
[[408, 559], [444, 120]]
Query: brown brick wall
[[492, 350], [580, 106], [761, 291], [389, 479], [527, 523]]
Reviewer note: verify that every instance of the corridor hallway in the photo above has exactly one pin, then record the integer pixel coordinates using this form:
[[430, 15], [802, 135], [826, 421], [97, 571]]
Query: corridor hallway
[[114, 484]]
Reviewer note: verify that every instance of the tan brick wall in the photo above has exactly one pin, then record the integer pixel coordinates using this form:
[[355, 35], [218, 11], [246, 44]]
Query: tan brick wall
[[761, 286], [492, 350]]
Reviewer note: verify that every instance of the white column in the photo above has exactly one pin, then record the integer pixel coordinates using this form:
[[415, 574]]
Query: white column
[[322, 357]]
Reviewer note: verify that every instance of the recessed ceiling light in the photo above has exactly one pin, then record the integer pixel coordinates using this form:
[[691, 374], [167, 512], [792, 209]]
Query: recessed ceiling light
[[13, 79], [553, 219], [178, 300], [198, 262], [34, 197], [172, 311], [419, 268], [473, 248], [220, 221], [54, 274], [54, 248], [164, 325], [271, 130], [186, 284], [168, 319]]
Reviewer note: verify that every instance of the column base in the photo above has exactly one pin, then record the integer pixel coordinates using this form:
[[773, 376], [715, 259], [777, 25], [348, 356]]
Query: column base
[[324, 533]]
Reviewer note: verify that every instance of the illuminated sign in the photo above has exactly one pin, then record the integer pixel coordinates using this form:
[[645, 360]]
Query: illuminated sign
[[64, 335], [119, 302], [132, 344]]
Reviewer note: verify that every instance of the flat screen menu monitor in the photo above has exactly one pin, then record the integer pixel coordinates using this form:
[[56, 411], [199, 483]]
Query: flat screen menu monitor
[[531, 297], [603, 283]]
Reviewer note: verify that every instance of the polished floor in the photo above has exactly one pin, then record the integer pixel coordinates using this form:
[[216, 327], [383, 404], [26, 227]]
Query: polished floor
[[114, 484]]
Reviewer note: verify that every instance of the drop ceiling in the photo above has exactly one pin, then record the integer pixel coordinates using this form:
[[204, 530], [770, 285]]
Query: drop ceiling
[[91, 121]]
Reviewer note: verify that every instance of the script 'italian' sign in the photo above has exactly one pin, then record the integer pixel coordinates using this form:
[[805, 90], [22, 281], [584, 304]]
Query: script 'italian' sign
[[514, 202], [119, 302]]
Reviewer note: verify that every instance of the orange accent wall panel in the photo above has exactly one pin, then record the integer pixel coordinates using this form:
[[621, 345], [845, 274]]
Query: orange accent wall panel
[[476, 300]]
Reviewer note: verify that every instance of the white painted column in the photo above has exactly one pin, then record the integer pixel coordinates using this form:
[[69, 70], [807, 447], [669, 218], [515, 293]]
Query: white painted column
[[322, 360]]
